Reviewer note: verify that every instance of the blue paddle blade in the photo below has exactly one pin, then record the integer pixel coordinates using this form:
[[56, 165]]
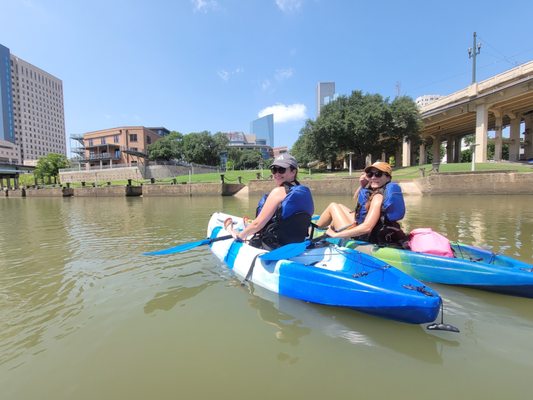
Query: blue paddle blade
[[288, 251], [185, 246], [178, 249]]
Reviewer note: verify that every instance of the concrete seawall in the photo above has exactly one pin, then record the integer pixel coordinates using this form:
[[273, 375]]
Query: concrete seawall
[[438, 184]]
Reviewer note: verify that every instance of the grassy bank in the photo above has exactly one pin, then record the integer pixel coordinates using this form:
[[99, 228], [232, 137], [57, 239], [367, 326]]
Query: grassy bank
[[399, 174], [404, 173]]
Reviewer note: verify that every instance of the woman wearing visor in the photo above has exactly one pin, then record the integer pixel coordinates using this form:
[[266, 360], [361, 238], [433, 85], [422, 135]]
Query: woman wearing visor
[[283, 216]]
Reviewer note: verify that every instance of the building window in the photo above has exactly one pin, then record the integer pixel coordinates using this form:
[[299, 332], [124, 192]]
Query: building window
[[102, 140], [116, 139], [133, 137], [148, 140], [91, 142]]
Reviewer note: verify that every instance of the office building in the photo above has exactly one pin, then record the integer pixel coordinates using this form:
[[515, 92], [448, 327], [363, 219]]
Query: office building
[[263, 129], [9, 152], [325, 92], [32, 119], [243, 141], [124, 145]]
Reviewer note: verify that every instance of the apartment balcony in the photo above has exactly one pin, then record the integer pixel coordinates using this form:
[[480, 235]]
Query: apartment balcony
[[100, 157]]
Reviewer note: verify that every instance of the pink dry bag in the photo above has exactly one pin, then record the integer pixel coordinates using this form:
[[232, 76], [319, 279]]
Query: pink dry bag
[[425, 240]]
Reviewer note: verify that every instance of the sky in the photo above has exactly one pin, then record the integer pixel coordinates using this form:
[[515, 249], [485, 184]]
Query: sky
[[216, 65]]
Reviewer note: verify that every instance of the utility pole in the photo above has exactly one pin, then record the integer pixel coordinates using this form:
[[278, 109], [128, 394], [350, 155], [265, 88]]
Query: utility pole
[[472, 53]]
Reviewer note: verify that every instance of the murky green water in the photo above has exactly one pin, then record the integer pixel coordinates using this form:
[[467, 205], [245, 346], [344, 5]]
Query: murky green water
[[83, 315]]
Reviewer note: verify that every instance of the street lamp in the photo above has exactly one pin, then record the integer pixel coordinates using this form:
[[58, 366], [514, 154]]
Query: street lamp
[[350, 154], [473, 152]]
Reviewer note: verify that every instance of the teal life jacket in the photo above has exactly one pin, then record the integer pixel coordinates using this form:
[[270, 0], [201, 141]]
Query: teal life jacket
[[387, 229], [291, 220]]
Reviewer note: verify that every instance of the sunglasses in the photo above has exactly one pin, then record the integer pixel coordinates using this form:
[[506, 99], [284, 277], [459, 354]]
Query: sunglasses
[[377, 174], [276, 170]]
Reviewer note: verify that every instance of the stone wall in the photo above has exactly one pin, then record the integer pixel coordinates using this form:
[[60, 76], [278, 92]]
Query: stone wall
[[107, 191], [101, 175], [339, 186], [171, 171], [195, 189], [493, 182]]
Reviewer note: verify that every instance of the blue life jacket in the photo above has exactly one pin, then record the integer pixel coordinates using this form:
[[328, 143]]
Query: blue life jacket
[[291, 221], [392, 208], [387, 230]]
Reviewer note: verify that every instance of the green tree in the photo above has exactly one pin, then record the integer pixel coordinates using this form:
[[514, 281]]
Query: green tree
[[167, 148], [203, 148], [250, 159], [302, 149], [49, 165], [362, 124], [404, 124]]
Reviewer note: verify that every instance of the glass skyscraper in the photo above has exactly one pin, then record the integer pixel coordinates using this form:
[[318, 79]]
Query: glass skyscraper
[[325, 92], [7, 131], [263, 129]]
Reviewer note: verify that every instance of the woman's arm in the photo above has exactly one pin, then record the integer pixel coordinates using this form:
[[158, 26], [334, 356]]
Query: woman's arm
[[272, 202], [367, 225]]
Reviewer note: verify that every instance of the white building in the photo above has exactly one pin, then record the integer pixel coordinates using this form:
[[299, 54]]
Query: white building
[[37, 111]]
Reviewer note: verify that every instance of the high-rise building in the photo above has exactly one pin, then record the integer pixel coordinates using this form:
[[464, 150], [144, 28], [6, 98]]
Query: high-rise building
[[325, 92], [32, 117], [8, 150], [263, 129]]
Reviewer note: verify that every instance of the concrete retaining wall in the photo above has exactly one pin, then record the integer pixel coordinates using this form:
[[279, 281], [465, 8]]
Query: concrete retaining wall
[[342, 186], [170, 171], [444, 183], [195, 189], [101, 175], [107, 191], [476, 183], [48, 192]]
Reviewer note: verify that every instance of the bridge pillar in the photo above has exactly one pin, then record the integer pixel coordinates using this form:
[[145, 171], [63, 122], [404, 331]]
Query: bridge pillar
[[528, 136], [514, 146], [457, 149], [406, 153], [482, 120], [449, 150], [498, 137], [436, 149], [422, 154]]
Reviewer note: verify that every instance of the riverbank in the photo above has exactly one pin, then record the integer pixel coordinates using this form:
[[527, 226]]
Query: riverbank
[[486, 182]]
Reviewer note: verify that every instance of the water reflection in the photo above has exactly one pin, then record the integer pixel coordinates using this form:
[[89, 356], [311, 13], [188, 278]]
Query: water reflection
[[295, 319], [73, 280], [173, 296]]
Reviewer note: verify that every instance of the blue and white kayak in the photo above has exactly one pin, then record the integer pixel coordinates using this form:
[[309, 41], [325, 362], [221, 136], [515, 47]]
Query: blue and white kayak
[[331, 275]]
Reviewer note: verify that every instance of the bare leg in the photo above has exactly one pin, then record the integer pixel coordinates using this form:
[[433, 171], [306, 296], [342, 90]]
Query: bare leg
[[337, 216]]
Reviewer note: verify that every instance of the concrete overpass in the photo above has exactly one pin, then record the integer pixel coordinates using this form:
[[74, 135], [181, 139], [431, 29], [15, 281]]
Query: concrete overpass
[[504, 100]]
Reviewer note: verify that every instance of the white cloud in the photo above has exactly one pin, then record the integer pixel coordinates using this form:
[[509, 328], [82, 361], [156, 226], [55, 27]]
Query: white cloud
[[204, 6], [289, 5], [285, 113], [225, 75], [282, 74]]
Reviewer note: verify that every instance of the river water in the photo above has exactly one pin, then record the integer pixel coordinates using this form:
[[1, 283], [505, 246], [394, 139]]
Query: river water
[[83, 315]]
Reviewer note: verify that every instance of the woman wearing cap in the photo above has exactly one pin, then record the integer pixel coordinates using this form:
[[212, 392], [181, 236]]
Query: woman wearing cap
[[283, 215], [379, 206]]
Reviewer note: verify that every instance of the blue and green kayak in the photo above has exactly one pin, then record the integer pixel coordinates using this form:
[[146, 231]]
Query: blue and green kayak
[[471, 267]]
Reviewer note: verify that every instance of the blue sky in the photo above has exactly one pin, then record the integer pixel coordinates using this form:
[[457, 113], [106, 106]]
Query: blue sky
[[194, 65]]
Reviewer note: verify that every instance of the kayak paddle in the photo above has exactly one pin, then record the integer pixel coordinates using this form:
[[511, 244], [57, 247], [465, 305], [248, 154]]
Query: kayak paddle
[[185, 246], [289, 250]]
